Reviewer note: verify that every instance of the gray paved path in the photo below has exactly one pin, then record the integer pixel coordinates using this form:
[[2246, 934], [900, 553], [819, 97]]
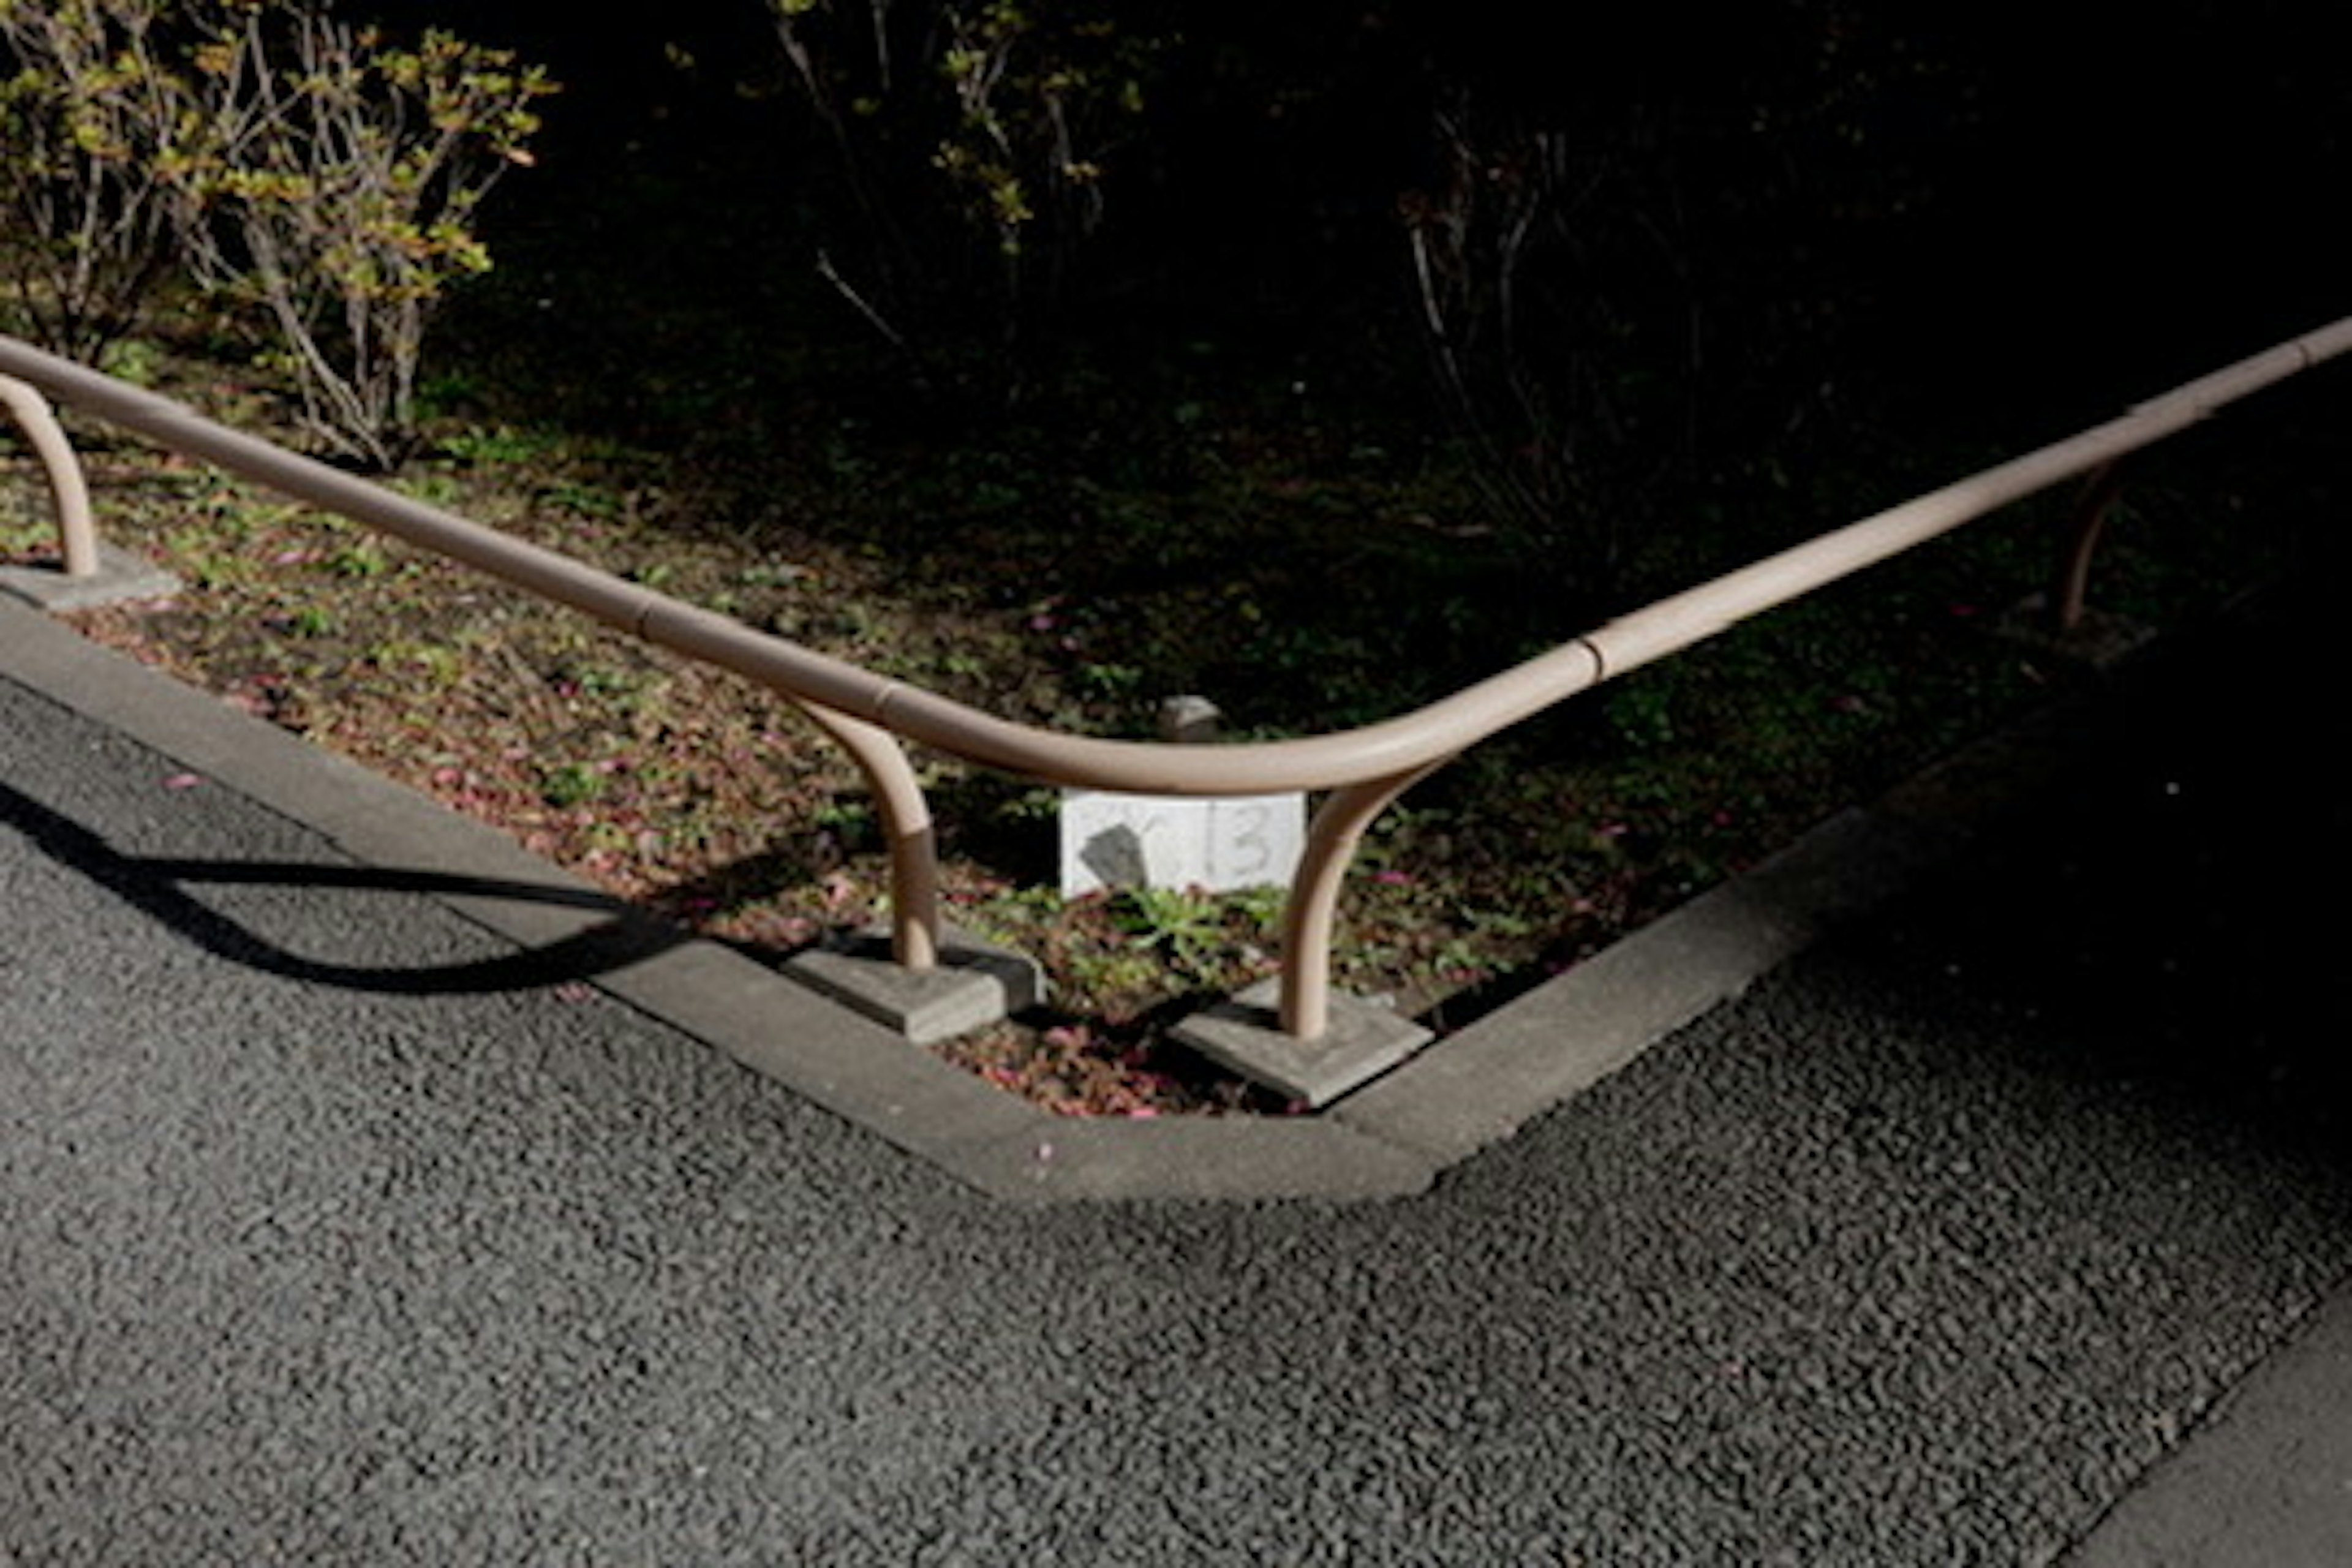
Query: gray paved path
[[333, 1230]]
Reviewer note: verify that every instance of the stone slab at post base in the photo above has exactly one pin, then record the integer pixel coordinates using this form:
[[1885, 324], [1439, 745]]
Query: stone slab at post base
[[975, 985], [2099, 641], [1245, 1036], [121, 576]]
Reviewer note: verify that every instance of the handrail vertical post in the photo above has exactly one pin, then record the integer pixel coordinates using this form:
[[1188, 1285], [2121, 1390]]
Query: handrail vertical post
[[906, 825], [2093, 504], [68, 489], [1308, 914]]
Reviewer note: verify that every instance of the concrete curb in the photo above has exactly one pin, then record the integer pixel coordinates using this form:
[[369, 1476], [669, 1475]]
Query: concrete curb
[[1390, 1139]]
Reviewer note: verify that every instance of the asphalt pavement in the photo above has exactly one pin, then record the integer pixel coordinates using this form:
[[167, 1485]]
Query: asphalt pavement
[[340, 1222]]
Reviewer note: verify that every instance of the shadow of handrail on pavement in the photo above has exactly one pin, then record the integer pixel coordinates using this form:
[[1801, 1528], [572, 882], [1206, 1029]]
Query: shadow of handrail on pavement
[[155, 886]]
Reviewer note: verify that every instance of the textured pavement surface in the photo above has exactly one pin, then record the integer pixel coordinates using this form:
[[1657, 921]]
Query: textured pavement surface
[[2002, 1227]]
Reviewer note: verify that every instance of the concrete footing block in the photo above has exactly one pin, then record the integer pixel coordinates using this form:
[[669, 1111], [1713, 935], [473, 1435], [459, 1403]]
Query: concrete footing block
[[1244, 1035], [975, 984], [121, 576], [2099, 641]]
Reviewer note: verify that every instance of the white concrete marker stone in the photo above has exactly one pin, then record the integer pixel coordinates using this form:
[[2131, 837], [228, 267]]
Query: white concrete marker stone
[[1219, 845]]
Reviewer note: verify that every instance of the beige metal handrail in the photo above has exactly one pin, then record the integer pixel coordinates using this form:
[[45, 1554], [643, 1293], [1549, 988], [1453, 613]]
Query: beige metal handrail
[[69, 489], [1364, 769]]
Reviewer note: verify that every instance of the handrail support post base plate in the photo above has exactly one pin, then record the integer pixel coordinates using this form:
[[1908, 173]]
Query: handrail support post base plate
[[121, 576], [2098, 640], [1244, 1035], [973, 985]]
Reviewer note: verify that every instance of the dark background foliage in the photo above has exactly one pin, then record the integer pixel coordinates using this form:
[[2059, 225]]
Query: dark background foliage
[[1914, 201], [2093, 153]]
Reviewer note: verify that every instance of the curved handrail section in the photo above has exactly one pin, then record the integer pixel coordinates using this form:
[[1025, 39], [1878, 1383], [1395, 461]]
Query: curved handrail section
[[1426, 736], [68, 489], [1323, 762], [1364, 767]]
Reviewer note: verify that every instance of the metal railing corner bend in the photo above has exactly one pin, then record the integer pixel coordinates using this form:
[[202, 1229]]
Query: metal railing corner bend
[[1360, 771]]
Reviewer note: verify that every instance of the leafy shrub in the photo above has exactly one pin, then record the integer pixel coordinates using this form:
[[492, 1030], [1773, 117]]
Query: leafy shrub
[[971, 142], [305, 169], [340, 200], [97, 132]]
